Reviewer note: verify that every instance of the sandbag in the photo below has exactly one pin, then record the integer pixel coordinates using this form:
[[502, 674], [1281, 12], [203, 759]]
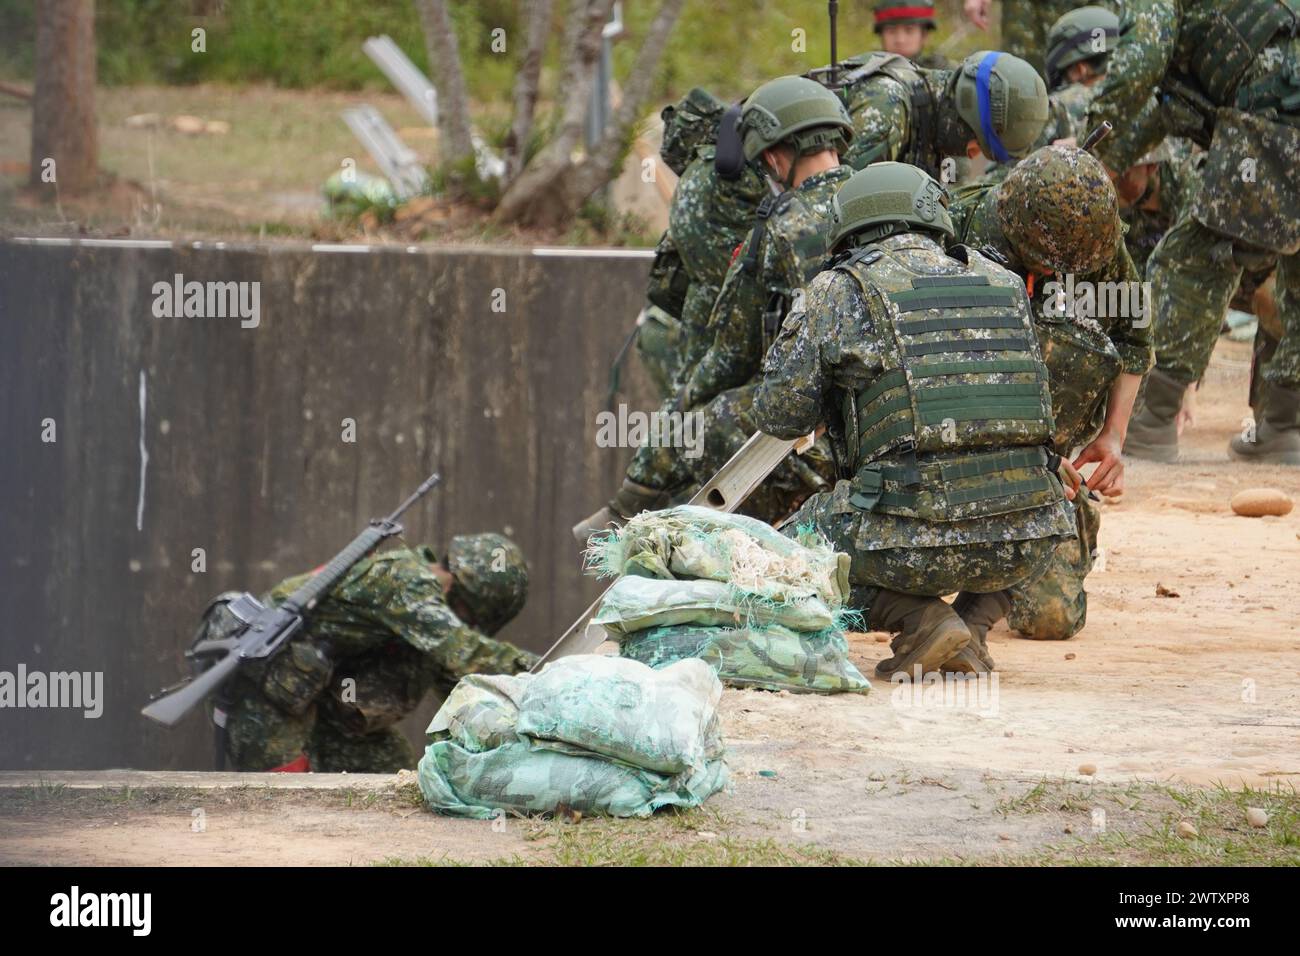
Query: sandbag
[[481, 711], [637, 603], [772, 658], [661, 720], [516, 778], [694, 542]]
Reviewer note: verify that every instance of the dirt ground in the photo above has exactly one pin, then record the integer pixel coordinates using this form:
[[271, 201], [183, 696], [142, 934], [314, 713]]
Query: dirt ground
[[1186, 708]]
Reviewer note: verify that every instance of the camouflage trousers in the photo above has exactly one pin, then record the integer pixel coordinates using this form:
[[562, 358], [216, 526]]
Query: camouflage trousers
[[727, 423], [1054, 607], [660, 346], [1194, 274], [978, 567], [260, 736], [1025, 24]]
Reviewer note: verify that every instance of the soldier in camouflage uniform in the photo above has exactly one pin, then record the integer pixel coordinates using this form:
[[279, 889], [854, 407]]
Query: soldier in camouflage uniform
[[1056, 215], [796, 128], [710, 214], [398, 625], [1229, 77], [1025, 24], [924, 367], [993, 104], [1078, 49], [904, 27]]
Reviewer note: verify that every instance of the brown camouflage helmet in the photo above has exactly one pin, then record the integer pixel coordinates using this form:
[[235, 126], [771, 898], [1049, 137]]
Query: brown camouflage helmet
[[491, 578], [1059, 211]]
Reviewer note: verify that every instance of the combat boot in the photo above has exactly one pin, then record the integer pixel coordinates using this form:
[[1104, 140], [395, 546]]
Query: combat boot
[[1277, 433], [929, 632], [1153, 432], [980, 612], [631, 500]]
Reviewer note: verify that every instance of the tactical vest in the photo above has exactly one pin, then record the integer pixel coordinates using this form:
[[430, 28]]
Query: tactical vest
[[919, 150], [959, 424], [1219, 40]]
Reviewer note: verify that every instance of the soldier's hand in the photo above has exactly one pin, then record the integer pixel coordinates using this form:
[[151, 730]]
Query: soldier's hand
[[977, 12], [1108, 477]]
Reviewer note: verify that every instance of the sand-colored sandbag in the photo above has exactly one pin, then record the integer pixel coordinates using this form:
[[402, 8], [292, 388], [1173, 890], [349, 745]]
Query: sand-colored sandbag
[[1258, 502]]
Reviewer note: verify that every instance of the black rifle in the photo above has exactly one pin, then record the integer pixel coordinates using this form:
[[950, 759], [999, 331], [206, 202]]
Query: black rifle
[[266, 629]]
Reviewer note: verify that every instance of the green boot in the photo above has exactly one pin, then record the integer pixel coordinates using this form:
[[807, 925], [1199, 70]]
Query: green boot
[[1277, 434], [631, 500], [929, 633], [980, 612], [1153, 432]]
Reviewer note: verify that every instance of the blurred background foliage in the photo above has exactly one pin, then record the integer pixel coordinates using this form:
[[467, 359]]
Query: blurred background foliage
[[728, 46]]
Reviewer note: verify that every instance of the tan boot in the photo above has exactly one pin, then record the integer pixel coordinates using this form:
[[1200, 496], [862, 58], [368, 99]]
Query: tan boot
[[929, 632], [980, 612], [1153, 432]]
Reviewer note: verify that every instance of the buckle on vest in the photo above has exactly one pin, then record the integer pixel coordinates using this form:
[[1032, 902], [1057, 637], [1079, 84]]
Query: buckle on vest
[[868, 485]]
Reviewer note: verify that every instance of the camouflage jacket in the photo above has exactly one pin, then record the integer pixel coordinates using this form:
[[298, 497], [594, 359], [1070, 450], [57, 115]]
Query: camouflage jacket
[[836, 346], [1069, 114], [1174, 182], [883, 122], [761, 284], [395, 598]]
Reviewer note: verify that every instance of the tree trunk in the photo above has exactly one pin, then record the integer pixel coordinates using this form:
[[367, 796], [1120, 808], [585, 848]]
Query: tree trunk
[[552, 188], [526, 87], [454, 138], [63, 101]]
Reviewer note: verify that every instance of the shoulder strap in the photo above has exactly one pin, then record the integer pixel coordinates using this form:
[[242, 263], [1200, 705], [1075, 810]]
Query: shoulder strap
[[769, 206]]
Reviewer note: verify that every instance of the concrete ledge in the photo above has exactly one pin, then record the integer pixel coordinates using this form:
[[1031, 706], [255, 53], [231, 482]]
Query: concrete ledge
[[192, 780]]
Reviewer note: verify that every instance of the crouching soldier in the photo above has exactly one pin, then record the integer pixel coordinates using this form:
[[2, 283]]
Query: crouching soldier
[[400, 624], [925, 369]]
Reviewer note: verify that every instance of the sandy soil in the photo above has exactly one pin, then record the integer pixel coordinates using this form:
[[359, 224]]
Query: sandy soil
[[1202, 688]]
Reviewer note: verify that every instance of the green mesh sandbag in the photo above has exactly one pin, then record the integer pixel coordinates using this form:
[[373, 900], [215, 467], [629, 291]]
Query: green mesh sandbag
[[481, 711], [516, 778], [662, 720], [635, 604], [694, 542], [771, 658]]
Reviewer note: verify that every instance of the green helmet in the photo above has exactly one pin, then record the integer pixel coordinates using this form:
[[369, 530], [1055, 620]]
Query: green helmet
[[797, 110], [1004, 101], [491, 578], [886, 194], [1059, 211], [1079, 35]]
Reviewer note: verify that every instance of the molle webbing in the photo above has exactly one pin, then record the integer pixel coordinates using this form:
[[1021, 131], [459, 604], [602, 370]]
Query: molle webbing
[[870, 493]]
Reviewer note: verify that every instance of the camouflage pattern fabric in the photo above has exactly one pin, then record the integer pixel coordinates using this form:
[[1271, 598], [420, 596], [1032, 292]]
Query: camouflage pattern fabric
[[791, 248], [1172, 184], [387, 629], [1084, 356], [1054, 607], [883, 130], [837, 345], [1248, 203], [1025, 24], [1069, 114]]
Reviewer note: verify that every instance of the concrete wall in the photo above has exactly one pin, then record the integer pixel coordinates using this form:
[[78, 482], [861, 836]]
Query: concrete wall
[[243, 430]]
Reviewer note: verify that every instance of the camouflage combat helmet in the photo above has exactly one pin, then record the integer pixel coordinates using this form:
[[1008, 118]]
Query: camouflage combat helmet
[[1004, 101], [797, 110], [1079, 35], [1059, 211], [885, 194], [890, 12], [491, 578]]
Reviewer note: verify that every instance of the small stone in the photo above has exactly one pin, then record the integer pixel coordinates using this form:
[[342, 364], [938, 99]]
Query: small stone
[[1186, 830], [1004, 837], [1008, 733], [1162, 591], [1088, 769], [876, 776], [1257, 817], [1070, 656], [707, 835], [1069, 829], [1258, 502], [767, 773]]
